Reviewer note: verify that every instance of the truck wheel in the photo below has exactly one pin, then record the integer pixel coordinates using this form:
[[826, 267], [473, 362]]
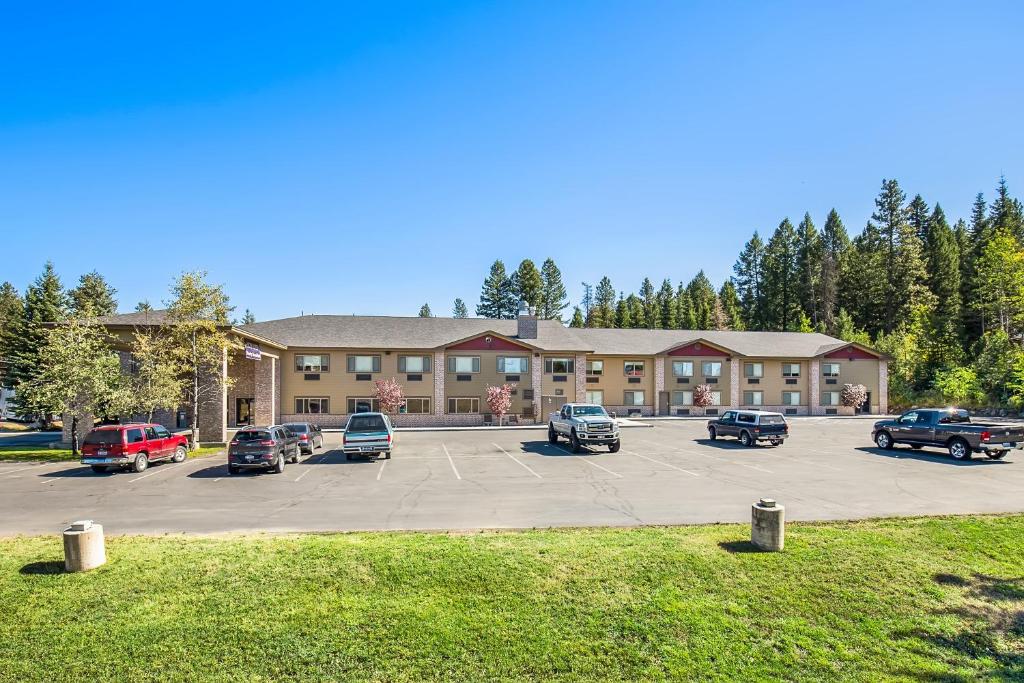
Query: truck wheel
[[232, 469], [614, 447], [745, 438], [883, 440], [99, 469], [179, 454], [959, 449], [712, 433], [552, 434], [141, 463], [387, 456], [574, 442]]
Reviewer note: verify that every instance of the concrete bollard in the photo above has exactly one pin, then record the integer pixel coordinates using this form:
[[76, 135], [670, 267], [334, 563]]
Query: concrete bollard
[[768, 525], [83, 546]]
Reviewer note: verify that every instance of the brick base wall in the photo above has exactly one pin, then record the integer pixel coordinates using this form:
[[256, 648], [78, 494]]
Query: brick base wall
[[405, 420], [623, 411]]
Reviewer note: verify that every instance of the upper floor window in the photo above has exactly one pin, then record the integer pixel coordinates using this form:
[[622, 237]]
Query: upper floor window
[[414, 364], [711, 368], [364, 363], [595, 367], [517, 364], [634, 368], [753, 369], [559, 365], [830, 369], [463, 364], [305, 362], [790, 369], [682, 368]]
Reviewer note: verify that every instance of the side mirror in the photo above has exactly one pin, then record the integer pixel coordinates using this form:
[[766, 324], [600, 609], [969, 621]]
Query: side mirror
[[614, 414]]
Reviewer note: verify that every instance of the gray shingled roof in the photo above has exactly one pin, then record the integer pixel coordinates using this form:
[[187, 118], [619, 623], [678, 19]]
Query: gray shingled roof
[[135, 319], [762, 344]]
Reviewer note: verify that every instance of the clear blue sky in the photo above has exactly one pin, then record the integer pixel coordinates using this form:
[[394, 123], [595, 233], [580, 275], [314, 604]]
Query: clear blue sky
[[370, 157]]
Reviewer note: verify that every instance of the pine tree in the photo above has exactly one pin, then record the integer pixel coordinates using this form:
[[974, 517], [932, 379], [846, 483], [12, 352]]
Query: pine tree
[[808, 263], [577, 318], [702, 298], [749, 281], [943, 262], [93, 296], [684, 308], [1006, 213], [919, 218], [12, 314], [835, 247], [45, 302], [459, 310], [554, 298], [602, 312], [780, 279], [425, 311], [979, 233], [964, 248], [527, 286], [731, 307], [668, 306], [652, 314], [248, 318], [635, 306], [623, 316], [143, 307], [863, 282], [497, 299]]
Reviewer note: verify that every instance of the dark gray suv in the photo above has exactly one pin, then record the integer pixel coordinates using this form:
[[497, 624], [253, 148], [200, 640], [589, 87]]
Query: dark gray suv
[[310, 435], [265, 448]]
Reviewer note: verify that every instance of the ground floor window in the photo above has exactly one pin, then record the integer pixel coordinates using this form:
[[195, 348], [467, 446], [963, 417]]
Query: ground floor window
[[790, 398], [830, 398], [463, 405], [417, 406], [312, 406], [363, 405], [595, 397], [716, 398], [682, 398], [633, 398], [753, 398]]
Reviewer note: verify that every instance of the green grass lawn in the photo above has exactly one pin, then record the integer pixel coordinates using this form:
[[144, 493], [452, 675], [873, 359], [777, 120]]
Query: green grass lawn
[[32, 454], [915, 600]]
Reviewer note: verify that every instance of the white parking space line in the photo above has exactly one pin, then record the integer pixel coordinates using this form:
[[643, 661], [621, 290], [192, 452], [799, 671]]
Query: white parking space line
[[659, 462], [54, 480], [157, 471], [592, 464], [451, 462], [308, 470], [381, 470], [20, 469], [518, 462]]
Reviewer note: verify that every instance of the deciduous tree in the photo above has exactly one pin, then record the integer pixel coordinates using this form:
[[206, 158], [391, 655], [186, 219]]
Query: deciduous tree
[[499, 400], [389, 394]]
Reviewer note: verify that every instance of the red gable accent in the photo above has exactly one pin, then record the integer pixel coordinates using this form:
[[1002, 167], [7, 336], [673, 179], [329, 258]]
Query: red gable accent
[[481, 344], [851, 353], [697, 349]]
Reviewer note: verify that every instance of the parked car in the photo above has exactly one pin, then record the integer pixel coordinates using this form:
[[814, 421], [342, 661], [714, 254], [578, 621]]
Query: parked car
[[750, 427], [266, 448], [368, 434], [134, 445], [949, 428], [310, 436], [584, 424]]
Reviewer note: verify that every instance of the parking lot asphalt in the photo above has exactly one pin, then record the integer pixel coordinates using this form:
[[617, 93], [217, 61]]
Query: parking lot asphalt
[[668, 474]]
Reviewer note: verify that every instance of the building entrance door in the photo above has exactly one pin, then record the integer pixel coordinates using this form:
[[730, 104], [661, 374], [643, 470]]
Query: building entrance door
[[243, 411], [865, 407]]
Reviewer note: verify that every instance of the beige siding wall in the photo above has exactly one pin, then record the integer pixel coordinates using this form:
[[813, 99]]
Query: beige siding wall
[[853, 372], [723, 385], [772, 384], [615, 384], [489, 375], [549, 386]]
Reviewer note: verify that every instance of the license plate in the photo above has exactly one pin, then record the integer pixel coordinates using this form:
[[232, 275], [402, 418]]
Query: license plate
[[367, 449], [101, 452], [248, 458]]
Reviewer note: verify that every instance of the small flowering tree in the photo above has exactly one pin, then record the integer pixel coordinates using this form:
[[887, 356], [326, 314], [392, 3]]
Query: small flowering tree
[[853, 395], [499, 400], [389, 395], [702, 396]]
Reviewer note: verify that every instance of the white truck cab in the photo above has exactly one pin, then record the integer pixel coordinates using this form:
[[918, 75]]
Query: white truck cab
[[584, 424]]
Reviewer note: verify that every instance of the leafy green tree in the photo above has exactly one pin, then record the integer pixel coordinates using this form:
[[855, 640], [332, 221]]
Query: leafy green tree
[[198, 341], [1015, 383], [12, 314], [809, 252], [1000, 278], [78, 373], [835, 248], [602, 311], [577, 318], [749, 280], [93, 296], [652, 315], [667, 306], [554, 298], [459, 310], [45, 302], [425, 311], [996, 358], [780, 279], [848, 331], [497, 300], [729, 302], [905, 346], [528, 286], [154, 382], [958, 386], [702, 298]]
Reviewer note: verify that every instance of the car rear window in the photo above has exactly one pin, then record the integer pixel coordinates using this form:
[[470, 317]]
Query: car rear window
[[251, 436], [366, 423], [298, 429], [104, 436], [772, 420]]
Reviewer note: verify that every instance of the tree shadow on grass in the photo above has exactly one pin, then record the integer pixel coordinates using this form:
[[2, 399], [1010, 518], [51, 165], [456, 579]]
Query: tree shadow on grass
[[42, 568], [738, 547]]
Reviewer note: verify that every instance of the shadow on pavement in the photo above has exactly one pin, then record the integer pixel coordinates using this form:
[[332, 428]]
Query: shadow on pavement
[[73, 472], [730, 444], [561, 450], [937, 457]]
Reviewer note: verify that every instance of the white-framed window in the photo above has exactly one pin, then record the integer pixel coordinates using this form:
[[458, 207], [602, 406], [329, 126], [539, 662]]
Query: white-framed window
[[790, 369], [790, 398], [513, 364], [414, 364], [596, 397], [463, 364], [595, 367], [363, 363], [317, 362], [559, 365], [633, 398], [357, 404], [312, 406], [633, 368], [753, 398], [830, 369], [711, 368], [417, 406], [462, 406], [716, 398], [682, 398], [754, 370], [830, 398], [682, 368]]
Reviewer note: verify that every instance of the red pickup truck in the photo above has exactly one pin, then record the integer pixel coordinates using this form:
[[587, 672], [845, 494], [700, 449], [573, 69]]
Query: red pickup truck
[[133, 446]]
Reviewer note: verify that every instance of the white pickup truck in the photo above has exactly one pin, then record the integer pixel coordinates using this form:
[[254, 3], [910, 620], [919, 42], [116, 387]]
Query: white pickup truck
[[584, 424]]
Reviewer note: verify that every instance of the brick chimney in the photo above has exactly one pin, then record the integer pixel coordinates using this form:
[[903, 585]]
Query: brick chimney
[[527, 322]]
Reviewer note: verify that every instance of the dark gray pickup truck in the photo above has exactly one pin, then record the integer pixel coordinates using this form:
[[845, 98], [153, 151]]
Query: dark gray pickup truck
[[949, 428]]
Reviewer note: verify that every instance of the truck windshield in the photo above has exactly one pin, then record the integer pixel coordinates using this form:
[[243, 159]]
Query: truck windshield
[[366, 423], [953, 416], [589, 410], [104, 437]]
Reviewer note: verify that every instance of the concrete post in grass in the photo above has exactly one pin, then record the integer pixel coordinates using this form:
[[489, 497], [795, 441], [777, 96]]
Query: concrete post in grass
[[83, 546], [768, 525]]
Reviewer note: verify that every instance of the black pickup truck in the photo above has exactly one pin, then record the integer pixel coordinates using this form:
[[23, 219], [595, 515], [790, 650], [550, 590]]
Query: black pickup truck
[[949, 428]]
